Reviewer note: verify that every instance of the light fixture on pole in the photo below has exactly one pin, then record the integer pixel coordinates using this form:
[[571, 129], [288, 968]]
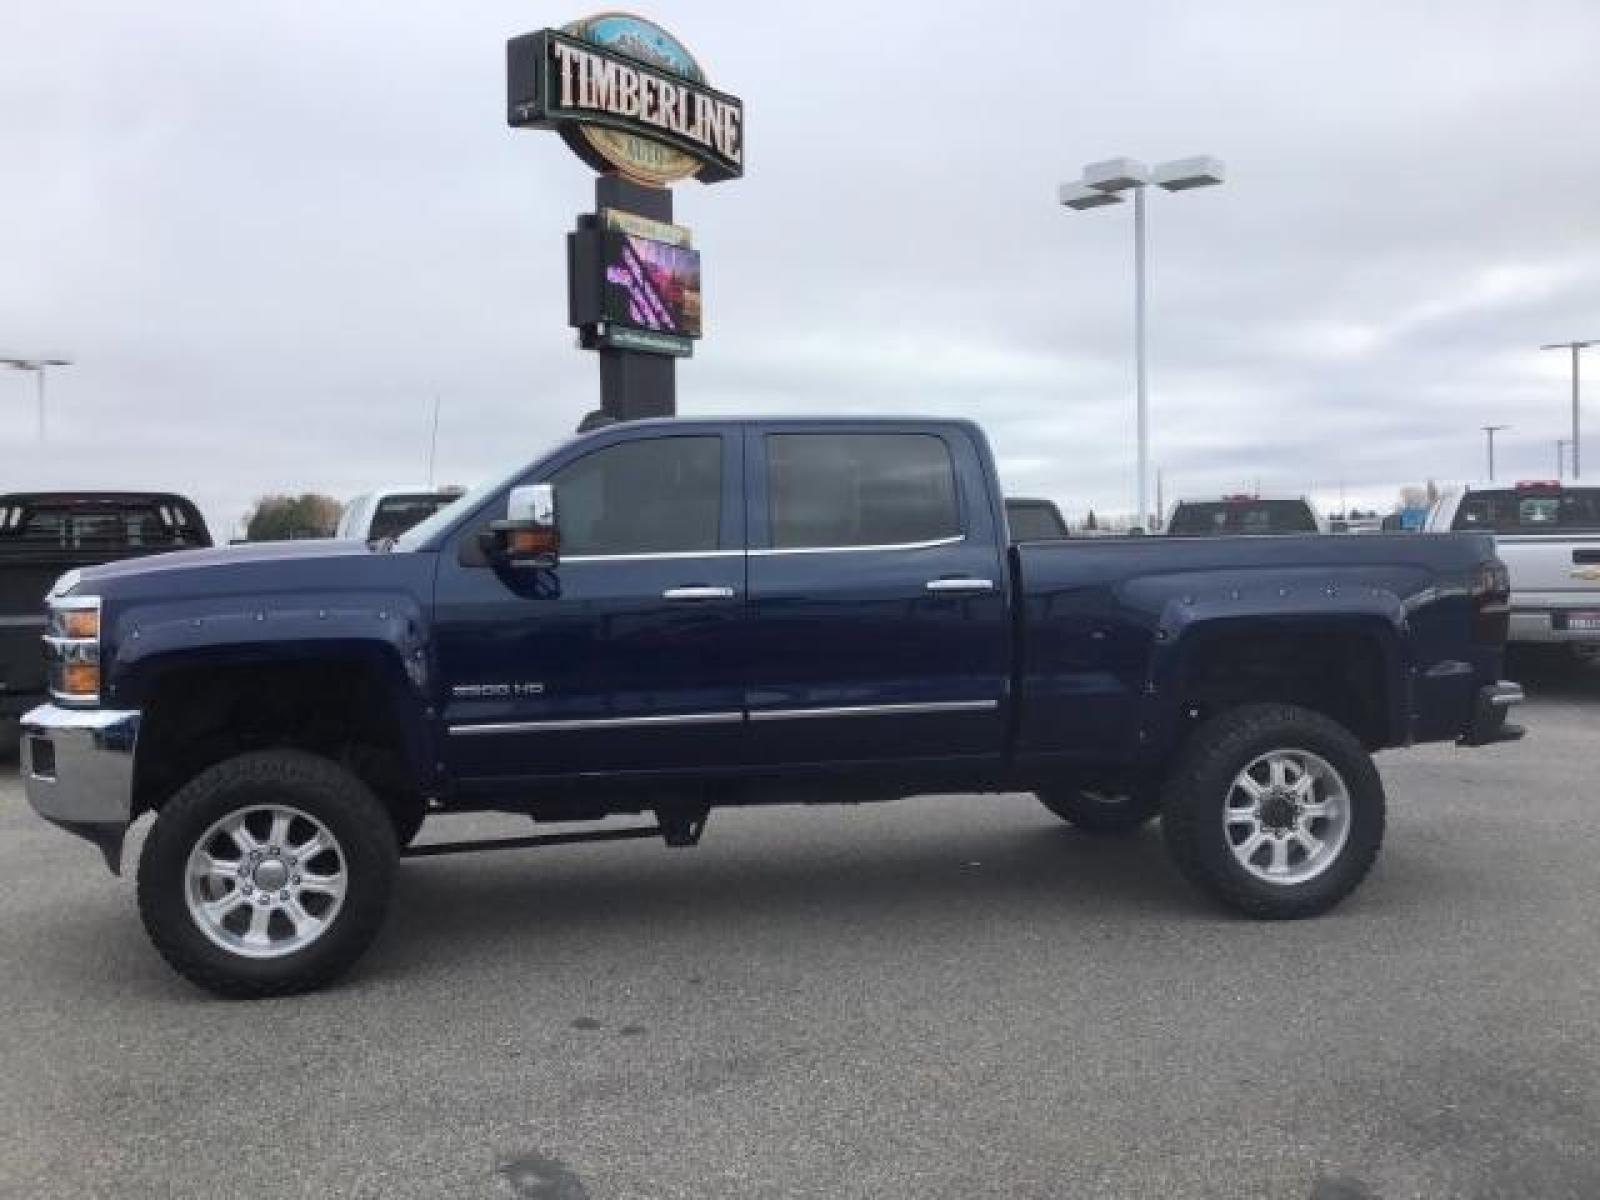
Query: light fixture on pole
[[1577, 435], [1103, 183], [38, 364], [1489, 432]]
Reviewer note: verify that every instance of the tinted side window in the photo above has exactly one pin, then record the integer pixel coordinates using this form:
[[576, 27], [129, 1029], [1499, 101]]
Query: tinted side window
[[859, 489], [657, 496]]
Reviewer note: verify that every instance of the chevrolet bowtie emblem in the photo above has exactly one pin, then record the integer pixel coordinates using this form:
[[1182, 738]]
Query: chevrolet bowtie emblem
[[1590, 573]]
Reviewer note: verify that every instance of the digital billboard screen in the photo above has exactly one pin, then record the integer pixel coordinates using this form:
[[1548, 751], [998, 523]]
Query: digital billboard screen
[[652, 284]]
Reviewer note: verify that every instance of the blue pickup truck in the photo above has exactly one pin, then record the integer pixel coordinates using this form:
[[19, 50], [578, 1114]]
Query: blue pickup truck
[[664, 617]]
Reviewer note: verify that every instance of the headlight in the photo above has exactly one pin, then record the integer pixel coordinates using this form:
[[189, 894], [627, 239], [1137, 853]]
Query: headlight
[[77, 623], [72, 648], [79, 681]]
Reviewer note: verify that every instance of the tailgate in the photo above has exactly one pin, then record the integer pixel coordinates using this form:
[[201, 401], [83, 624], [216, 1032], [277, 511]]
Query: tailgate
[[1552, 565]]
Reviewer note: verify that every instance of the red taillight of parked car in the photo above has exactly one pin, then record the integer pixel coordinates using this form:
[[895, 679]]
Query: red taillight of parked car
[[1491, 601]]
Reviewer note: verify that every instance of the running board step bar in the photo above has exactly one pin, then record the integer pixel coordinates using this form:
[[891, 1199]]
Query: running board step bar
[[434, 849], [678, 825]]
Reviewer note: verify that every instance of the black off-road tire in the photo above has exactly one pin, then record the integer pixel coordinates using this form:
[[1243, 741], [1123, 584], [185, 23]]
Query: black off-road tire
[[1197, 791], [316, 786], [1102, 813]]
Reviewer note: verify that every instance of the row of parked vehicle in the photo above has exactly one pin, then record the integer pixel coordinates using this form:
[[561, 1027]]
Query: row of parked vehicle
[[1252, 515], [1546, 531]]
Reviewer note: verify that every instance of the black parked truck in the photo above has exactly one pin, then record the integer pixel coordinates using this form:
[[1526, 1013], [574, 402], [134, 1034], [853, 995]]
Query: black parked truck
[[1031, 519], [43, 535]]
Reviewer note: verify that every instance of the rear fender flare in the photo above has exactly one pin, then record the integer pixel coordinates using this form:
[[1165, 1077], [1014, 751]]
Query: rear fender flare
[[1191, 625]]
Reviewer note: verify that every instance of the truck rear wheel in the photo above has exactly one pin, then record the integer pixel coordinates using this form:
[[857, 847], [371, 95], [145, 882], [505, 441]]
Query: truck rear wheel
[[1275, 810], [1101, 812], [267, 874]]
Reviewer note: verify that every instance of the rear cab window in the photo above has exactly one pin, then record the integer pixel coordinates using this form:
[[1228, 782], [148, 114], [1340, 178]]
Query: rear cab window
[[1543, 509], [397, 513], [1212, 518]]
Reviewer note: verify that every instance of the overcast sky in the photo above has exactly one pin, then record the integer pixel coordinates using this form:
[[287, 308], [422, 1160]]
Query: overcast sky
[[270, 234]]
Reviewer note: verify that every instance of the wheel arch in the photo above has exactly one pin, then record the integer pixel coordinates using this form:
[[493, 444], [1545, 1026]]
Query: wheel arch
[[1350, 667], [349, 700]]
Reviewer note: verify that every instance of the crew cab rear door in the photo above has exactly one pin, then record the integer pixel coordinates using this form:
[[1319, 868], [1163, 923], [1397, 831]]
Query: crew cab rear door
[[623, 658], [878, 626]]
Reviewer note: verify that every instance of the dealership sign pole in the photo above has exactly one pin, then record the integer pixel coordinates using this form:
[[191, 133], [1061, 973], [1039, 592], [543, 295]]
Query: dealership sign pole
[[633, 103]]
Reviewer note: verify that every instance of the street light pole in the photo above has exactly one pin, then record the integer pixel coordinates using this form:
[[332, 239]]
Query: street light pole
[[1140, 380], [1561, 456], [433, 441], [1102, 184], [38, 366], [1490, 431], [1577, 436]]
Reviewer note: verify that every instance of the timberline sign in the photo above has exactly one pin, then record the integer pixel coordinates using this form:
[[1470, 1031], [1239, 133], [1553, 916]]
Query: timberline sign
[[626, 97]]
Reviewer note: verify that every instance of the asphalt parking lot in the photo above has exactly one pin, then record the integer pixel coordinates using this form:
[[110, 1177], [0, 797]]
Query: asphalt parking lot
[[936, 998]]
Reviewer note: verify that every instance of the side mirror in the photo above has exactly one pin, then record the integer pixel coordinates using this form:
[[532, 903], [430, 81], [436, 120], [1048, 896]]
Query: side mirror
[[529, 536]]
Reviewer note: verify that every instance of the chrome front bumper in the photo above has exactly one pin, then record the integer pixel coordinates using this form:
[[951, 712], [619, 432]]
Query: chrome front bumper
[[1489, 724], [77, 767]]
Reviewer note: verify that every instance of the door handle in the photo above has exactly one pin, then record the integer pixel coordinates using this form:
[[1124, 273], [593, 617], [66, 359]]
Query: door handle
[[698, 593], [961, 585]]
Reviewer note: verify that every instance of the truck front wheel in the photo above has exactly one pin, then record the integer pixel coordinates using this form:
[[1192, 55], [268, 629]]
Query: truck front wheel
[[1101, 812], [1275, 810], [267, 874]]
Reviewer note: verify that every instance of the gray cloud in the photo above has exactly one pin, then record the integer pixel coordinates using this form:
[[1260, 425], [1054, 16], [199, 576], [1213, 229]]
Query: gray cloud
[[271, 234]]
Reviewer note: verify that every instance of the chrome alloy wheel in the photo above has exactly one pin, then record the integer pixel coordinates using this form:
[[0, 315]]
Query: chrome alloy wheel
[[1287, 816], [265, 881]]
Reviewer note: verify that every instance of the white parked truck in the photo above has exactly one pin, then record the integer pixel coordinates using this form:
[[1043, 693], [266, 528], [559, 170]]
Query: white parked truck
[[1548, 535], [388, 513]]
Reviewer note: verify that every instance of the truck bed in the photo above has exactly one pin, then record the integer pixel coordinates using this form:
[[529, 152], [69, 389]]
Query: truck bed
[[1102, 621]]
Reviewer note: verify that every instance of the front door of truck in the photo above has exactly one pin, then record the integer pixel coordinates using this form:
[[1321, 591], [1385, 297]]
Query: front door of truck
[[616, 660], [878, 625]]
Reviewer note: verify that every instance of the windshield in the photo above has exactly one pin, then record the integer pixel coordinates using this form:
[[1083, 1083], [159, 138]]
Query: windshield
[[1242, 517], [1542, 510]]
